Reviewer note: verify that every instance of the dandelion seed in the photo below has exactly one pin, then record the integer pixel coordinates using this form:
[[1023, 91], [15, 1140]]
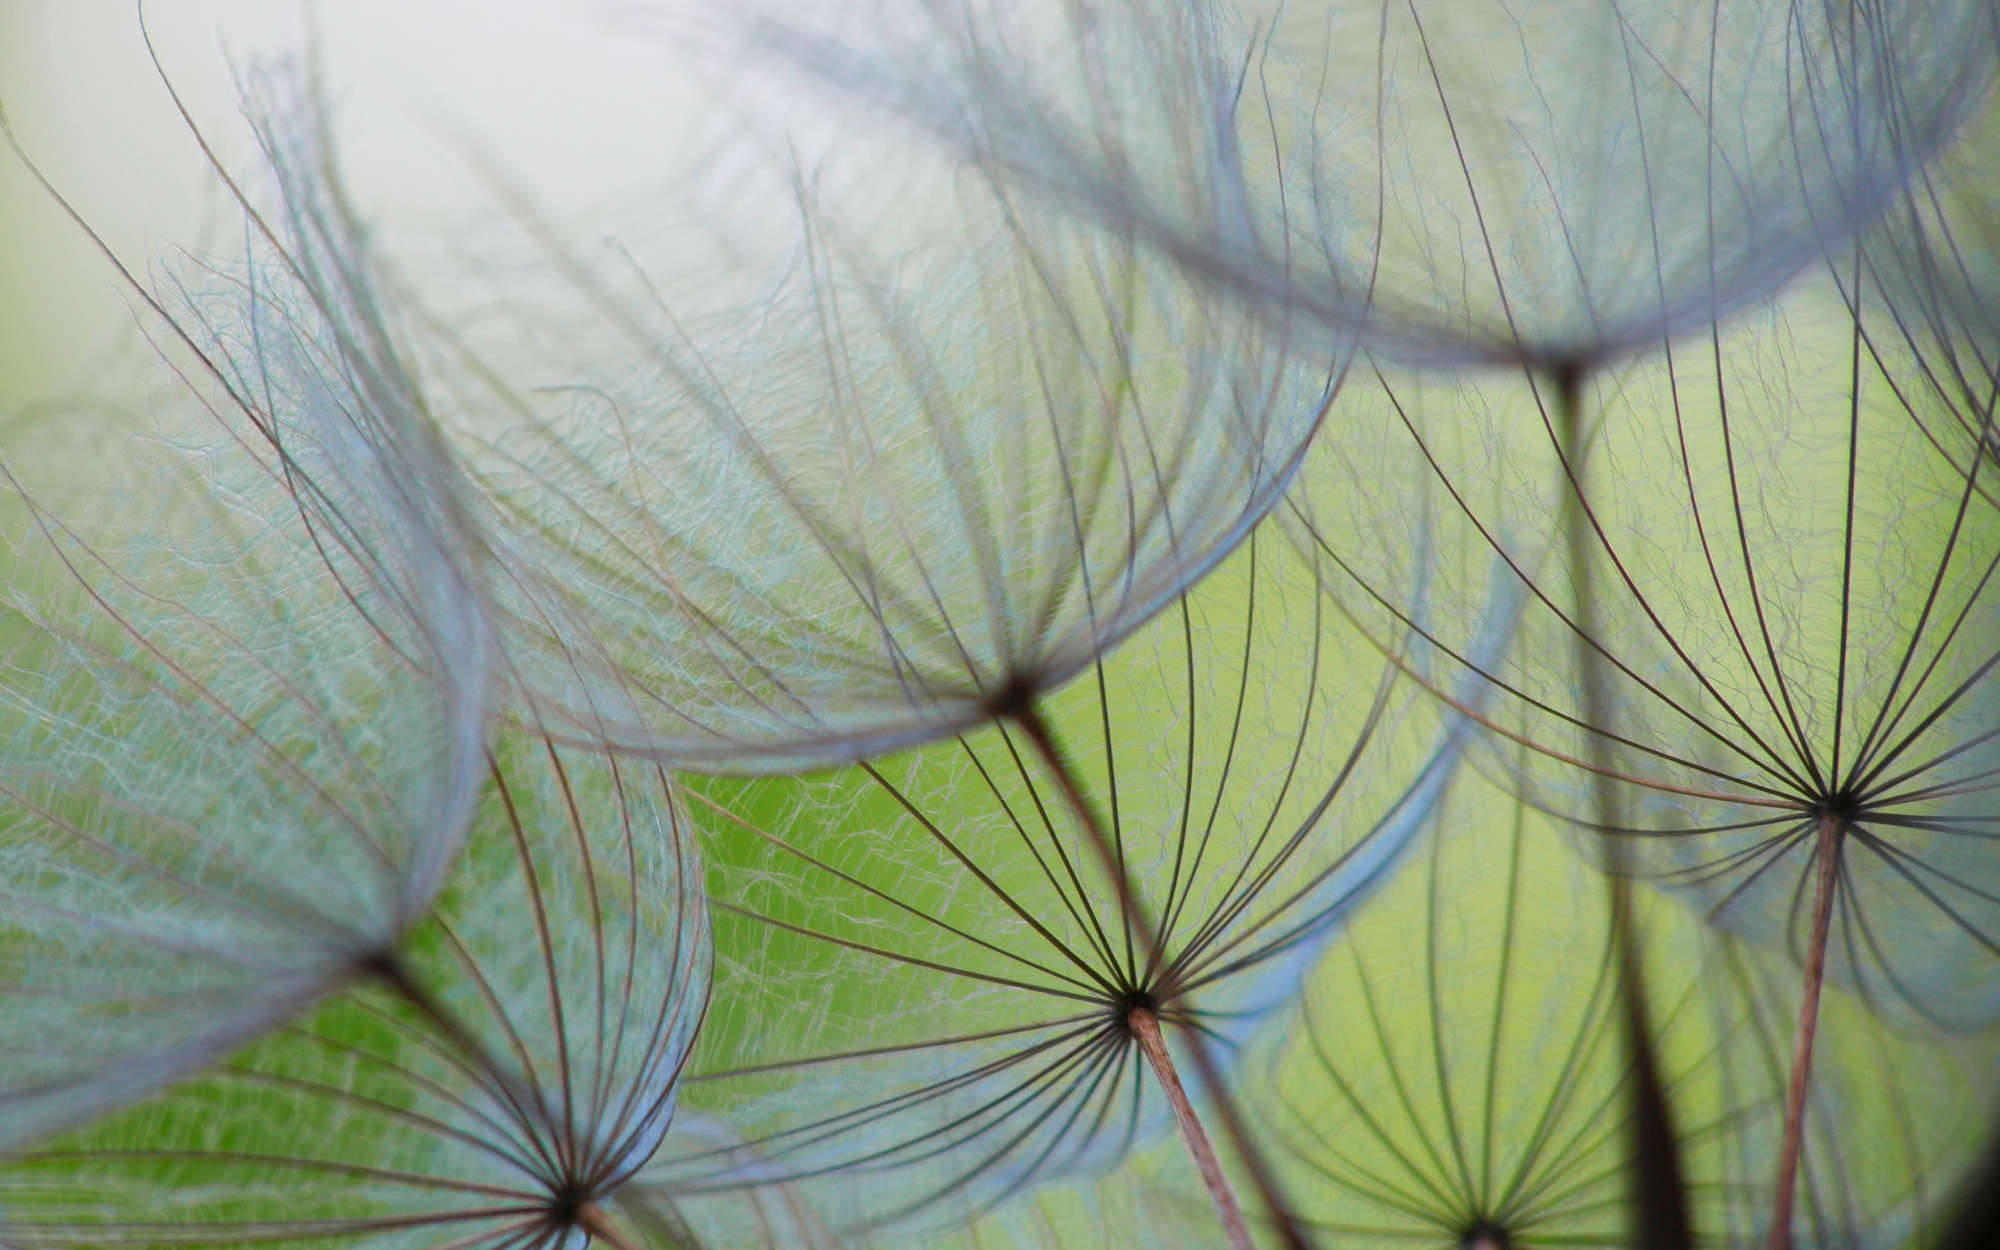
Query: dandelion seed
[[935, 998], [1777, 604], [497, 1083], [1543, 184], [239, 752], [775, 1215], [900, 497], [1461, 1079]]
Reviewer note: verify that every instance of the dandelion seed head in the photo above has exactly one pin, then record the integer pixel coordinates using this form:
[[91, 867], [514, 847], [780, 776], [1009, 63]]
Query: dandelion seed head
[[1543, 183], [186, 758], [1485, 1236], [243, 739], [944, 990], [1790, 597], [506, 1072], [1461, 1075], [896, 497]]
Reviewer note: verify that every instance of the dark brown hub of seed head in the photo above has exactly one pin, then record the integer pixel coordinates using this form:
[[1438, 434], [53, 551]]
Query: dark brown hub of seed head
[[1130, 1001], [1485, 1235], [1843, 806], [566, 1203], [1014, 698], [381, 964]]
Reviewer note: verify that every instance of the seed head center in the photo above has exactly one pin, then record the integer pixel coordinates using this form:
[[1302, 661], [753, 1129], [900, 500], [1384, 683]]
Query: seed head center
[[1843, 805], [1485, 1235], [566, 1203], [1132, 1000]]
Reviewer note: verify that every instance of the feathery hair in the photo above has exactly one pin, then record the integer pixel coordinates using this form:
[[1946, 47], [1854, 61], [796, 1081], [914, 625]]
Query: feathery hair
[[268, 669], [1795, 619], [965, 484], [1458, 183], [1932, 264], [895, 499], [497, 1082], [1461, 1079], [927, 986], [1758, 657]]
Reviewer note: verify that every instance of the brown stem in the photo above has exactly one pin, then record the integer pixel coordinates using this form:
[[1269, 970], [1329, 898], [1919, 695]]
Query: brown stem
[[388, 969], [1659, 1190], [1042, 738], [1659, 1185], [1831, 830], [1146, 1028], [597, 1222]]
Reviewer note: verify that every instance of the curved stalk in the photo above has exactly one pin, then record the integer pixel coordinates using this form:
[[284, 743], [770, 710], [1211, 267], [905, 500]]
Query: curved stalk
[[1659, 1190], [1145, 1028], [1042, 738], [1832, 830]]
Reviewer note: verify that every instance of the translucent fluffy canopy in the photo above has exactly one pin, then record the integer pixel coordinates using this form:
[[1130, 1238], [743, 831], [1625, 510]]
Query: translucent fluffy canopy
[[1782, 596], [241, 717], [1934, 260], [924, 974], [1463, 1072], [519, 1066], [900, 493], [1548, 182]]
